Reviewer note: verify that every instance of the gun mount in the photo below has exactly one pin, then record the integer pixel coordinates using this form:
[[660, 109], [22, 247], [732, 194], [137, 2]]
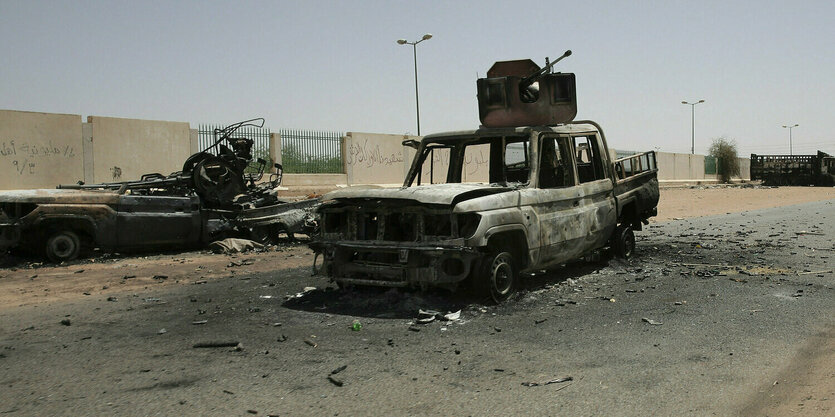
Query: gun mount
[[520, 93]]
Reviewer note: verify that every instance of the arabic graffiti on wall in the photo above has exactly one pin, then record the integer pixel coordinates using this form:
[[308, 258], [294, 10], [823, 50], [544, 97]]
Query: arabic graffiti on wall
[[367, 155], [26, 158]]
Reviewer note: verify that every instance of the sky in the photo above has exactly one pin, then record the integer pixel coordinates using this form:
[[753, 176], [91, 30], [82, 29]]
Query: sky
[[335, 65]]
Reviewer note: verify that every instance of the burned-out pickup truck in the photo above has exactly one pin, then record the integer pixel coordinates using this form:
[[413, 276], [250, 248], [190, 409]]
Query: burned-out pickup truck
[[211, 198], [552, 194]]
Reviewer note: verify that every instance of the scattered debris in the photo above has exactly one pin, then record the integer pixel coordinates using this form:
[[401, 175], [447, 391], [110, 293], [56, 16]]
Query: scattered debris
[[234, 245], [160, 277], [803, 232], [311, 343], [335, 381], [200, 322], [553, 381], [217, 344], [652, 322], [282, 338], [66, 322], [356, 326], [829, 271], [338, 370], [428, 316]]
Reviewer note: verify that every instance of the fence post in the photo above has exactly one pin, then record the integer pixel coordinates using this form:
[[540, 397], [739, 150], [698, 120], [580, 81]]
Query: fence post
[[346, 168], [275, 149]]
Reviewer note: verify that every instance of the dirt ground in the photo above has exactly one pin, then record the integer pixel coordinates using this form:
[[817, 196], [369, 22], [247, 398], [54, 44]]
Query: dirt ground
[[697, 201], [26, 283], [807, 387]]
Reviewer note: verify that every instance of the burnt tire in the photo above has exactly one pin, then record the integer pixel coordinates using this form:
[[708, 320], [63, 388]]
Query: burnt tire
[[497, 277], [62, 246], [624, 242], [265, 235]]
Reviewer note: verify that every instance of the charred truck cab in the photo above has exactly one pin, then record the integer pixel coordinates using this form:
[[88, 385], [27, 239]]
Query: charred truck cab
[[550, 193]]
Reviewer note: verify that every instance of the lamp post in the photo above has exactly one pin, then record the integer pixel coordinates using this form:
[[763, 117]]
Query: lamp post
[[790, 135], [414, 49], [693, 124]]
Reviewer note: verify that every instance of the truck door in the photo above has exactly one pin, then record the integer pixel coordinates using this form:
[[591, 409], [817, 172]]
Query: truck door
[[575, 207], [555, 200], [597, 202], [144, 221]]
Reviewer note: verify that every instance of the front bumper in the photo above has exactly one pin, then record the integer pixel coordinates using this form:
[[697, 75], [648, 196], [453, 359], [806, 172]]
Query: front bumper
[[394, 266]]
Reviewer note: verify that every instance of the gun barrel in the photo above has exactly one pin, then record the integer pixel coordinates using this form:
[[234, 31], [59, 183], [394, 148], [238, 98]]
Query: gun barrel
[[542, 71], [127, 184]]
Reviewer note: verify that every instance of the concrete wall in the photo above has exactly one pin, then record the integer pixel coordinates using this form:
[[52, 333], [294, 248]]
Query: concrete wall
[[39, 150], [42, 150], [373, 158], [124, 149], [684, 167]]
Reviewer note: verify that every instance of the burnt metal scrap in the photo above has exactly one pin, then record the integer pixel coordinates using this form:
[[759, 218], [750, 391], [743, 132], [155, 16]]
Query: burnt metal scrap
[[211, 198], [552, 194], [816, 169]]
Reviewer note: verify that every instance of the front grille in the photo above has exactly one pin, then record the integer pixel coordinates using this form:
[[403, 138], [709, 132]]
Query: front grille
[[400, 226]]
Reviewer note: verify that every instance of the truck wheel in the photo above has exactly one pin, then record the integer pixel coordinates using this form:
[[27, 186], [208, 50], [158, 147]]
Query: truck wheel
[[63, 246], [498, 276], [624, 242]]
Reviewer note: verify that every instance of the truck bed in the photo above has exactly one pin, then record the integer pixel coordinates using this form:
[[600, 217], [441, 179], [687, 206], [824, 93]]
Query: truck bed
[[636, 186]]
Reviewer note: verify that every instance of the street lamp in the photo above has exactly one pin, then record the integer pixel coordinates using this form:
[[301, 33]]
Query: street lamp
[[790, 135], [414, 48], [693, 124]]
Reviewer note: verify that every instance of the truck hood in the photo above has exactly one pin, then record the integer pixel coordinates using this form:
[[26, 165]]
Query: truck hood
[[53, 196], [447, 194]]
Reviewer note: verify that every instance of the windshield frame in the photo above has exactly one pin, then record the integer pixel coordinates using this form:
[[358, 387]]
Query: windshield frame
[[457, 143]]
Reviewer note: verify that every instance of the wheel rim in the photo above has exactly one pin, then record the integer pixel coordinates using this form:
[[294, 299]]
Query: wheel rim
[[502, 275], [63, 246], [628, 244]]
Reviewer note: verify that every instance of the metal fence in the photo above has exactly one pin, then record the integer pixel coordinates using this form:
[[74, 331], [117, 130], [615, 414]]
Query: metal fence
[[260, 137], [311, 152], [623, 154]]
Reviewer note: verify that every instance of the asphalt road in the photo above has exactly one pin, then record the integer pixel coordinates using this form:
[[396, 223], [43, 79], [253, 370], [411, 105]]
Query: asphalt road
[[709, 315]]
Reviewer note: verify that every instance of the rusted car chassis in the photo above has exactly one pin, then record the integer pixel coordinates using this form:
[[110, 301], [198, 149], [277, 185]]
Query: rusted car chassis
[[442, 234], [61, 224], [211, 198], [384, 243]]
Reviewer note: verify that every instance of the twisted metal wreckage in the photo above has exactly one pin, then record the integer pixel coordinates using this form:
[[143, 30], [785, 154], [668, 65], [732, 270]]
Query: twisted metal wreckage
[[554, 194], [211, 198]]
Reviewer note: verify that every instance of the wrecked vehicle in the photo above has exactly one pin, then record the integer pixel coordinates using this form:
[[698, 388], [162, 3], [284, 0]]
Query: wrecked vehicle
[[554, 194], [211, 198], [816, 169]]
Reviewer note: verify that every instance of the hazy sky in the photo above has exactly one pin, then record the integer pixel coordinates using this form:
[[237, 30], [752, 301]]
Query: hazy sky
[[334, 65]]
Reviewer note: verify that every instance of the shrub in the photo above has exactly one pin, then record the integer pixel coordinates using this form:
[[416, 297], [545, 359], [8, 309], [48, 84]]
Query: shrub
[[727, 161]]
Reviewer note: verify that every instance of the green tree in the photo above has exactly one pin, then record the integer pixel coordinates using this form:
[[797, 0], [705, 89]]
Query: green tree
[[727, 161]]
